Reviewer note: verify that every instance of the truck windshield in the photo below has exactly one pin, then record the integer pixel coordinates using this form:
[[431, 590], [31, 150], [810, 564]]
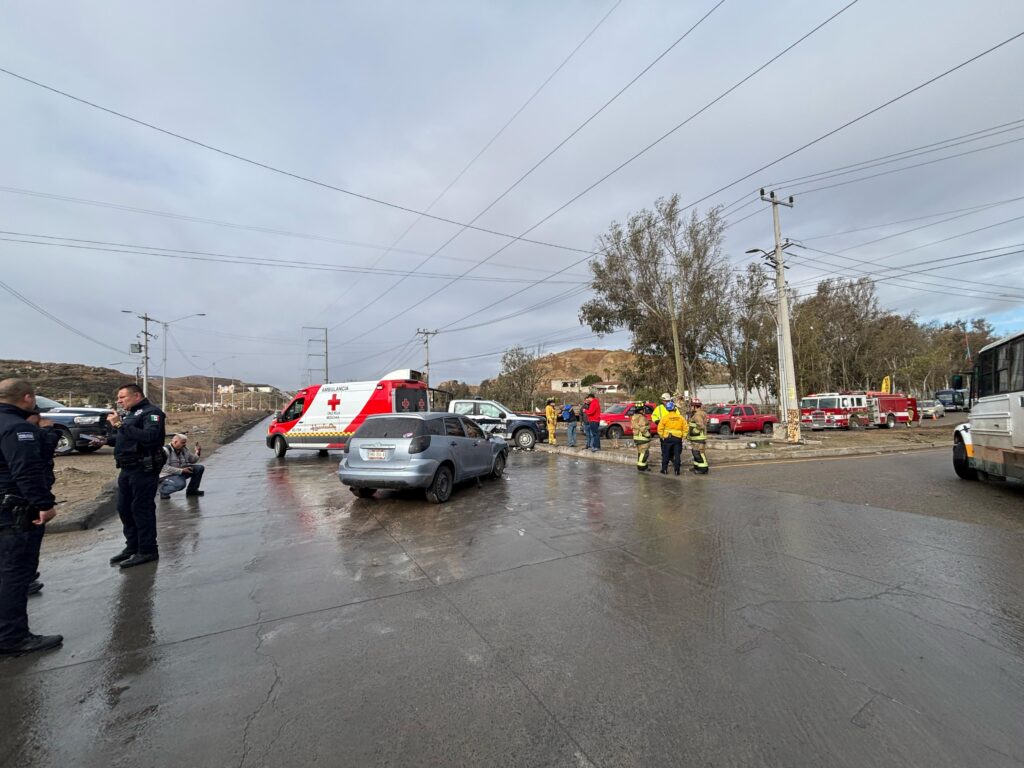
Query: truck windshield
[[809, 402], [616, 408], [828, 402]]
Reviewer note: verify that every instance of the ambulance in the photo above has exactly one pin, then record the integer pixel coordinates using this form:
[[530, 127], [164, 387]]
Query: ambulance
[[323, 417]]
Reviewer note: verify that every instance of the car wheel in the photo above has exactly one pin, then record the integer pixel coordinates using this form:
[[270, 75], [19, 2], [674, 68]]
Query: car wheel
[[725, 429], [66, 443], [364, 493], [280, 447], [614, 432], [855, 423], [960, 464], [440, 489], [768, 429], [525, 439], [499, 466], [890, 422]]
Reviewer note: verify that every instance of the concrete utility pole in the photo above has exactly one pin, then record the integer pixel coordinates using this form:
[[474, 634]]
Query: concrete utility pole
[[787, 372], [426, 351], [327, 364]]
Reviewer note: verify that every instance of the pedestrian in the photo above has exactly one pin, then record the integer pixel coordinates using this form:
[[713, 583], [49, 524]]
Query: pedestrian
[[593, 412], [697, 430], [657, 415], [551, 415], [181, 469], [569, 417], [671, 429], [641, 435], [50, 439], [138, 451], [26, 505]]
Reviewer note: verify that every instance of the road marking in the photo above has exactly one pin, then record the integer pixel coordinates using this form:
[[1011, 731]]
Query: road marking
[[823, 458]]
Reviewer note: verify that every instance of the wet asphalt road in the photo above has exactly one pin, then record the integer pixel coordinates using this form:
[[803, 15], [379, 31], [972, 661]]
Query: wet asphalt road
[[572, 614]]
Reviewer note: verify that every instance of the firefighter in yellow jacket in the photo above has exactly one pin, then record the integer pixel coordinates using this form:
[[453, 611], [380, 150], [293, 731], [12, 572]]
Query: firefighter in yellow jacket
[[671, 429], [698, 434], [641, 435], [552, 418]]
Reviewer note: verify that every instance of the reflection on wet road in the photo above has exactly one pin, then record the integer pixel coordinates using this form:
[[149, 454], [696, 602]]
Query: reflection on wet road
[[572, 613]]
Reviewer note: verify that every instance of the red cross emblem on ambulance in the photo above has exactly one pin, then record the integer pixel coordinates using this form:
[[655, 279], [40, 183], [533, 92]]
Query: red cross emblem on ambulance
[[334, 402]]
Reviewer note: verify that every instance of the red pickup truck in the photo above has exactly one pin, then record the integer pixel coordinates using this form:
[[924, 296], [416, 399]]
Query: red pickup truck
[[728, 419]]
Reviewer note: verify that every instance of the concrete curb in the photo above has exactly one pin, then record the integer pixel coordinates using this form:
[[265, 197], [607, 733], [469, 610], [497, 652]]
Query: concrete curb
[[89, 514], [752, 454]]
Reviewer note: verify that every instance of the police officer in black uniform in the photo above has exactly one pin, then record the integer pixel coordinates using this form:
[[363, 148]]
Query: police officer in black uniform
[[139, 452], [26, 505]]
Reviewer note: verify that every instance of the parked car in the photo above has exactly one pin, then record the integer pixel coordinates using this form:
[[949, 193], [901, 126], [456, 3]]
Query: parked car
[[615, 420], [523, 429], [728, 419], [74, 424], [428, 450], [931, 409], [951, 399]]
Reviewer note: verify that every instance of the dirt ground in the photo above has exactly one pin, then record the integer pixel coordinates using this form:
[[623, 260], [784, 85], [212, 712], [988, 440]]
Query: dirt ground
[[80, 476]]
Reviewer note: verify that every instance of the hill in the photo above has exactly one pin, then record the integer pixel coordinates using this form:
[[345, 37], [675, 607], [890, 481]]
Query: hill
[[577, 363], [75, 384]]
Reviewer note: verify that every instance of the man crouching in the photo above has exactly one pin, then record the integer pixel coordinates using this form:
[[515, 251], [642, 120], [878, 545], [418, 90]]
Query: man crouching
[[182, 468]]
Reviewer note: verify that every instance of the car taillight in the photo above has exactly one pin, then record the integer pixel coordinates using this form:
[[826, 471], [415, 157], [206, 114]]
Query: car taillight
[[419, 444]]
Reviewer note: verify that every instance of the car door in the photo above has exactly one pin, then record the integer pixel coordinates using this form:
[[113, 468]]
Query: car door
[[491, 418], [461, 448], [749, 419], [479, 449]]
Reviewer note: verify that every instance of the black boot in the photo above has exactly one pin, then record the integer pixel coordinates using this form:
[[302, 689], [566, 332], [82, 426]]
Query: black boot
[[35, 587], [138, 559], [121, 556], [32, 643]]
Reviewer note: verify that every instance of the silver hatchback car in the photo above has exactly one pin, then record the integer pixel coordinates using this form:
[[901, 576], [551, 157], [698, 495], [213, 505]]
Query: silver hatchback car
[[432, 451]]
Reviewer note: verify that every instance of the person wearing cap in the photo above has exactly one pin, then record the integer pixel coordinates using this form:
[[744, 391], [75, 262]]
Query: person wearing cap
[[671, 429], [551, 415], [657, 415], [698, 434], [641, 435]]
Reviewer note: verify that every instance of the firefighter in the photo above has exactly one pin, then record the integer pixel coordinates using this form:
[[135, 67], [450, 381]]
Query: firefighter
[[698, 433], [671, 429], [552, 418], [641, 435], [656, 417]]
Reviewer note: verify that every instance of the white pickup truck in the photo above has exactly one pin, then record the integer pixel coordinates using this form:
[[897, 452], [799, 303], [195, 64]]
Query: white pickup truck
[[523, 430]]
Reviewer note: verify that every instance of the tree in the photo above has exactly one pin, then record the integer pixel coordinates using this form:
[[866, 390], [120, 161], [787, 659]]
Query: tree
[[745, 336], [459, 389], [659, 278], [522, 372], [590, 378]]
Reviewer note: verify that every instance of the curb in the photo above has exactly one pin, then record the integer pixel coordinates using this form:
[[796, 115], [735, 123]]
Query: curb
[[750, 455], [89, 514]]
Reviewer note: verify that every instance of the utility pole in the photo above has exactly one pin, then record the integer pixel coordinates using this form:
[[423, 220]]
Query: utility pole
[[325, 356], [426, 351], [146, 320], [787, 371]]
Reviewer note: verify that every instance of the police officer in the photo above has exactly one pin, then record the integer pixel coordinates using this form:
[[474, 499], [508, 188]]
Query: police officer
[[26, 505], [139, 452]]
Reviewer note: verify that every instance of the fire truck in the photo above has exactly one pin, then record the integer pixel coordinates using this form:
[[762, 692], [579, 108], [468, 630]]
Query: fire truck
[[853, 410]]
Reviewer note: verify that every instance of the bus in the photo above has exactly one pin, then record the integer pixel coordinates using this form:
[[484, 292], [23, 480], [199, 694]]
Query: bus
[[991, 443]]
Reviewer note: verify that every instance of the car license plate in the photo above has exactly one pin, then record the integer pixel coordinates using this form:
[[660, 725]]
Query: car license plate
[[377, 454]]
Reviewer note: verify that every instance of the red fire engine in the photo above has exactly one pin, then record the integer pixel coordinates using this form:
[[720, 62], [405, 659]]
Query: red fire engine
[[853, 410]]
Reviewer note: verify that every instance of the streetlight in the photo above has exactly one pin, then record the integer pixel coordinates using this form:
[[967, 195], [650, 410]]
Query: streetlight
[[163, 393]]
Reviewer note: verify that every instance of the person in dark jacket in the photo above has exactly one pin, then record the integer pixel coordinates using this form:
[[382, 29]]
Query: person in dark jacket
[[26, 505], [47, 450], [138, 443]]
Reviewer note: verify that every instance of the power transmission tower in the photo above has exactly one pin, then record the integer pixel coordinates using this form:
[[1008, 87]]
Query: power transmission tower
[[426, 351], [787, 371], [327, 365]]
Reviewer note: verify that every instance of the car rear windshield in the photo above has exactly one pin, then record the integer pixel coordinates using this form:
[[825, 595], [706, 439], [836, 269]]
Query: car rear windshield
[[392, 426]]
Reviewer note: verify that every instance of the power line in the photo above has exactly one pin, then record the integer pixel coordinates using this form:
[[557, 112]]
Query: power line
[[801, 148], [480, 153], [262, 261], [860, 117], [265, 166], [50, 316], [904, 154], [611, 173], [538, 164]]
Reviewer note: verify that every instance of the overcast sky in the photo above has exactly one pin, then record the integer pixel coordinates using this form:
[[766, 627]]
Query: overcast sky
[[392, 100]]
